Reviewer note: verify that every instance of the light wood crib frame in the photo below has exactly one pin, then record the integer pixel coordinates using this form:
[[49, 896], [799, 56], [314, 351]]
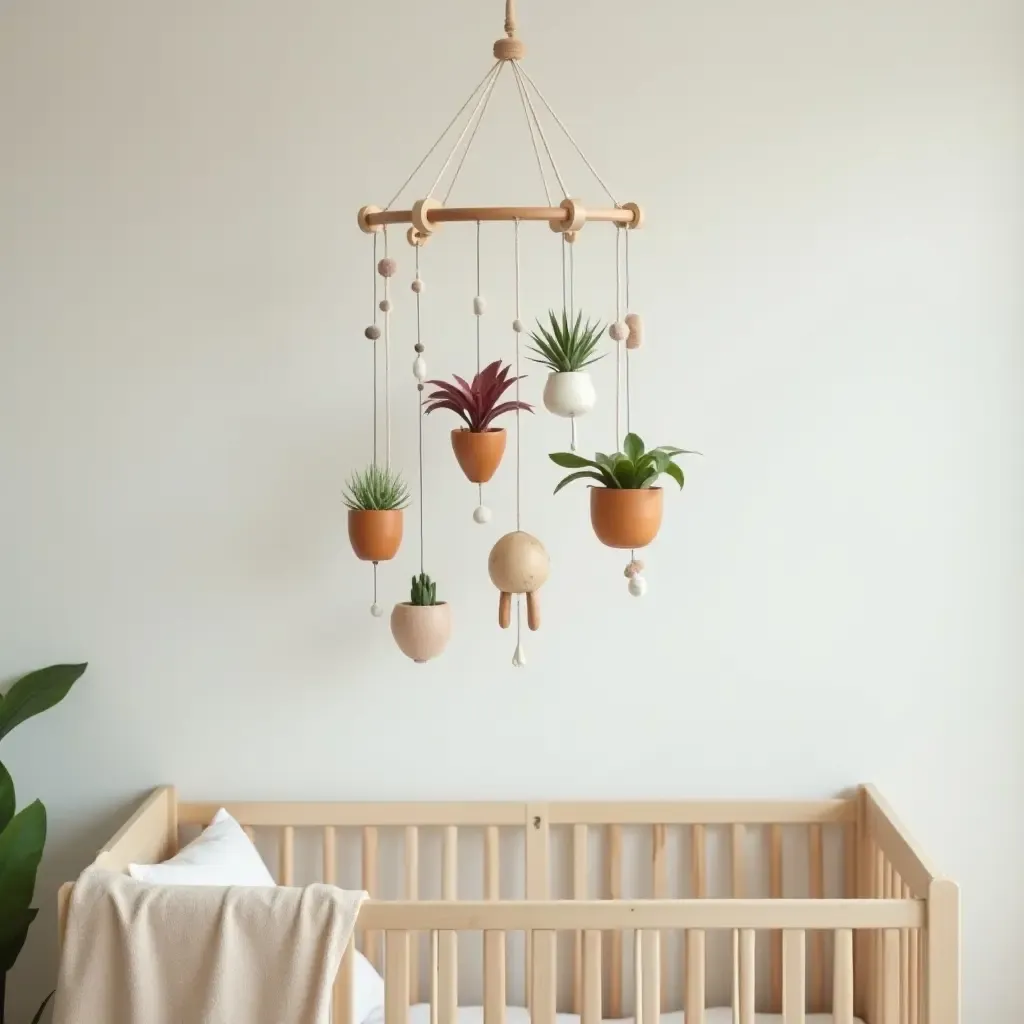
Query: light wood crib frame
[[893, 937]]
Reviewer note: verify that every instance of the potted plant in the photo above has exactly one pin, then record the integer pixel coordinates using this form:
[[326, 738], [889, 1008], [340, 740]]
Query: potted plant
[[625, 510], [375, 497], [23, 834], [422, 625], [478, 446], [567, 350]]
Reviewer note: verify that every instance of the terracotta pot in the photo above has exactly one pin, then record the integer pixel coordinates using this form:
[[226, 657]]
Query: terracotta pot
[[479, 454], [625, 518], [375, 534], [421, 631]]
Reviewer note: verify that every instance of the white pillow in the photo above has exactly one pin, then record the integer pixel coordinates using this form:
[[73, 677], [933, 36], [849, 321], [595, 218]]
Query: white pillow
[[223, 855]]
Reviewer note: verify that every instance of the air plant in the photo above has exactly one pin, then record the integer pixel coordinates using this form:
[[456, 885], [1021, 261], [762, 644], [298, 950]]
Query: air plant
[[477, 403], [631, 469], [376, 488], [424, 591], [566, 348]]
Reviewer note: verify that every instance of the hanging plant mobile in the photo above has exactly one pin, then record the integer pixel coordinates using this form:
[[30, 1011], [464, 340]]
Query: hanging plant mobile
[[422, 625], [376, 497], [478, 446], [567, 350]]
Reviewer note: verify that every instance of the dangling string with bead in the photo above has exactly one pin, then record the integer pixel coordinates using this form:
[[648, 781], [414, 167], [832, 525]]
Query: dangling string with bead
[[373, 334], [616, 334], [419, 371], [390, 268], [519, 657], [481, 514], [637, 584], [567, 289]]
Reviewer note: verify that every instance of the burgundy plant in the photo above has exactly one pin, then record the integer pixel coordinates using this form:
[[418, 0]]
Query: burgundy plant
[[476, 403]]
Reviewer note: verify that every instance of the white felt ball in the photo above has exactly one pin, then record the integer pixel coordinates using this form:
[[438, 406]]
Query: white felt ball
[[417, 285], [517, 326], [384, 305], [376, 610], [419, 368], [481, 514], [372, 332], [387, 267], [638, 586], [479, 305], [618, 331]]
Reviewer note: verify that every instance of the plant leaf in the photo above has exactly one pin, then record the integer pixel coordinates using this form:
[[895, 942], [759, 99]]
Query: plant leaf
[[570, 460], [13, 934], [35, 693], [39, 1013], [21, 848], [633, 447], [7, 804], [582, 474], [676, 473]]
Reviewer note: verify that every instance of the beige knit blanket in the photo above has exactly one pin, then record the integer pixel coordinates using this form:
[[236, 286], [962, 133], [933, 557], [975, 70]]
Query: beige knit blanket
[[136, 953]]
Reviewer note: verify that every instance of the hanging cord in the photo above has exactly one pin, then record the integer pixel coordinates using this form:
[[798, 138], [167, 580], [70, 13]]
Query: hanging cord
[[476, 128], [540, 131], [519, 476], [419, 403], [618, 344], [374, 270], [440, 138], [628, 427], [491, 77], [533, 138], [387, 367], [568, 135], [572, 280], [479, 487]]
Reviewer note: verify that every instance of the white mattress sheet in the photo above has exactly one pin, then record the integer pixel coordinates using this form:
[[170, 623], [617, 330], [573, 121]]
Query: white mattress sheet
[[420, 1014]]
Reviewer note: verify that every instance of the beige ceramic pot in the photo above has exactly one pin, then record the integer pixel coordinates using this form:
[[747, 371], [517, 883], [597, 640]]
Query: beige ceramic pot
[[479, 454], [375, 534], [626, 518], [421, 631]]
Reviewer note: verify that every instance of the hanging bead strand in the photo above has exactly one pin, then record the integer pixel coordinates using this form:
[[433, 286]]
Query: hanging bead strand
[[519, 657], [481, 514], [372, 333], [637, 585], [419, 370], [387, 268]]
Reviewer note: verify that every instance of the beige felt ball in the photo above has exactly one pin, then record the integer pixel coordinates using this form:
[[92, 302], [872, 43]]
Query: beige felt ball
[[387, 267], [618, 331], [372, 332]]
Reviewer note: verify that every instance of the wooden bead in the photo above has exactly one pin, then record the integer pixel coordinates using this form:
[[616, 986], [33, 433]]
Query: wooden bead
[[635, 323], [479, 305], [419, 368], [517, 326], [576, 219], [384, 305], [387, 267], [372, 332], [417, 347], [414, 238], [420, 215], [417, 285], [518, 563], [618, 331], [370, 229], [638, 214], [509, 49]]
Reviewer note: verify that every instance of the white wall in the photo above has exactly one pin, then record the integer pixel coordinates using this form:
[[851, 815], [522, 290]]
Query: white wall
[[831, 281]]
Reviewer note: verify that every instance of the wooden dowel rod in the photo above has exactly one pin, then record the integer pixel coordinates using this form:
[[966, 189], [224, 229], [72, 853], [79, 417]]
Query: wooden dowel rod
[[447, 977], [344, 987], [545, 981], [775, 937], [463, 214], [891, 977], [659, 866], [842, 977], [649, 982], [287, 855], [494, 977], [371, 940], [591, 1010], [747, 975], [412, 892], [579, 892], [396, 978], [695, 975], [698, 865], [794, 985], [817, 938], [615, 937], [330, 855]]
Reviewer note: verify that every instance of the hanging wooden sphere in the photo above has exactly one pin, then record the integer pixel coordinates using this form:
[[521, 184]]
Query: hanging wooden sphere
[[518, 564]]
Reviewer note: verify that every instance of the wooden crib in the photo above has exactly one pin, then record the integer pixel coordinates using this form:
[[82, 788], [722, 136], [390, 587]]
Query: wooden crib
[[797, 907]]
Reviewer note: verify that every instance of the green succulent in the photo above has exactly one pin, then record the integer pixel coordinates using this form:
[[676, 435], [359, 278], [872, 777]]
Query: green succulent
[[376, 488], [566, 348], [424, 590], [630, 469]]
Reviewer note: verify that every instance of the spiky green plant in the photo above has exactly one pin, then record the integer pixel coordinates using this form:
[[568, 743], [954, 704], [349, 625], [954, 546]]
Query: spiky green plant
[[566, 348], [630, 469], [376, 488], [424, 590]]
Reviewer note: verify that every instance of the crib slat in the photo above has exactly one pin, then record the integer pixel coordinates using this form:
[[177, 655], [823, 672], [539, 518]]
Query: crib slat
[[591, 1010], [878, 891], [344, 987], [544, 977], [648, 980], [494, 977], [396, 978], [447, 978], [450, 864], [775, 890], [287, 855], [891, 977], [738, 834], [615, 937], [412, 892], [638, 979], [817, 938], [747, 975], [579, 892], [435, 970], [695, 972], [659, 872], [914, 995], [330, 855], [842, 977], [492, 863], [736, 849], [371, 940], [794, 984], [699, 863], [904, 891]]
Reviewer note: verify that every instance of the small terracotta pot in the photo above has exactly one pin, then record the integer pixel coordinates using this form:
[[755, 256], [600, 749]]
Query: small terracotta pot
[[479, 454], [375, 534], [625, 518], [421, 631]]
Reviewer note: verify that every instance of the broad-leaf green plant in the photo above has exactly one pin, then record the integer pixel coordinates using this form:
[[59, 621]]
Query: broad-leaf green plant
[[23, 833], [376, 488], [631, 469], [567, 347]]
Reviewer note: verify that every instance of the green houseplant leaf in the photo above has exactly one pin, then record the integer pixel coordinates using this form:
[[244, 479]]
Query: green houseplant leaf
[[633, 447], [21, 849], [7, 804], [35, 693], [39, 1013]]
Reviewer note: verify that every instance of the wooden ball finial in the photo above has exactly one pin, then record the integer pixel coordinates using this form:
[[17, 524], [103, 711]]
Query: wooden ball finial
[[518, 564]]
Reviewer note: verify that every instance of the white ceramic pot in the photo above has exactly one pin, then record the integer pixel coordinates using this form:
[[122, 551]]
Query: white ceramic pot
[[569, 394], [421, 631]]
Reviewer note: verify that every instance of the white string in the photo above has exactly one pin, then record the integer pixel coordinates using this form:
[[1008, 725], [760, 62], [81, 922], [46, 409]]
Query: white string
[[618, 344], [387, 367], [375, 350], [479, 487], [533, 138], [439, 139], [628, 428], [479, 121], [419, 403], [492, 74], [568, 135], [540, 131], [519, 478]]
